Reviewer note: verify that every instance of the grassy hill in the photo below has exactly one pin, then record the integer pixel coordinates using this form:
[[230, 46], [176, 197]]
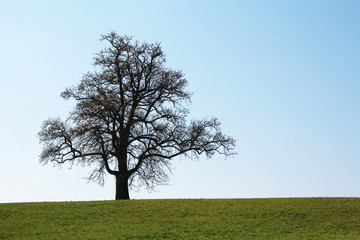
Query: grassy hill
[[306, 218]]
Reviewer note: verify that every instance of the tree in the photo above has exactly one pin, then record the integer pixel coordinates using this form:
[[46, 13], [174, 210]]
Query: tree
[[129, 120]]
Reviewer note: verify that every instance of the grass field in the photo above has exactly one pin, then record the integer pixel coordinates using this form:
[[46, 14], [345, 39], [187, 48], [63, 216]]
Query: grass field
[[297, 218]]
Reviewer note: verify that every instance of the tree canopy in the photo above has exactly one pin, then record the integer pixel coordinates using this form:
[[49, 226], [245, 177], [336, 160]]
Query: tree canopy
[[130, 119]]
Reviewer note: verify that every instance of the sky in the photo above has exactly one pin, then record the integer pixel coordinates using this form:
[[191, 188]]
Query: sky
[[281, 76]]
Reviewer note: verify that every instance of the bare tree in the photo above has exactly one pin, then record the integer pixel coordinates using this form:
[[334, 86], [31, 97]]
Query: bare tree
[[129, 119]]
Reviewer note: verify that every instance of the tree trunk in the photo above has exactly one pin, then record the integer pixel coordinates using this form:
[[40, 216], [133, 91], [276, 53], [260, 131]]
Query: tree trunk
[[122, 188]]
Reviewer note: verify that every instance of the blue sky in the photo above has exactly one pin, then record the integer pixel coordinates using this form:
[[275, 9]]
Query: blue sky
[[282, 77]]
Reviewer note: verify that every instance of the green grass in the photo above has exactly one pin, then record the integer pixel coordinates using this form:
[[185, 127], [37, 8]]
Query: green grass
[[305, 218]]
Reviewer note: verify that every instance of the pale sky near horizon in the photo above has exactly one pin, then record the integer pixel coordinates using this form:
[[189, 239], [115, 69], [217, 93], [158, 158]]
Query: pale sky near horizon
[[283, 77]]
